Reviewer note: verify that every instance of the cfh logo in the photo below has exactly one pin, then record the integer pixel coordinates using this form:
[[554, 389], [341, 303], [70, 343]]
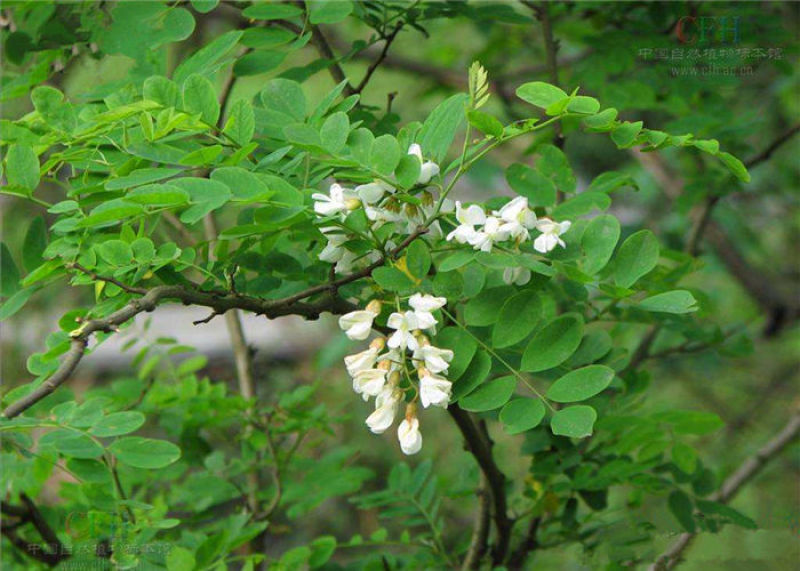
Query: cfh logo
[[708, 30]]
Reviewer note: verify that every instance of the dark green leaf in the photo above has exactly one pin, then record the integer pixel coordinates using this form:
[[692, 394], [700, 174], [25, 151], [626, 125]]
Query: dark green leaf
[[522, 414], [581, 384], [554, 343], [144, 452], [491, 395], [574, 421]]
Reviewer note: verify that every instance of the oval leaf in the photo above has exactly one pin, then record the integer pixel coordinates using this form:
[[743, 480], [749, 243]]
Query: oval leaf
[[520, 415], [581, 384], [574, 422], [554, 343]]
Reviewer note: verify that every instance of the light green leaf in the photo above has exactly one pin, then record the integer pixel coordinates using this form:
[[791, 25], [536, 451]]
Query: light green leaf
[[676, 301], [684, 457], [583, 104], [522, 414], [598, 242], [328, 11], [637, 256], [161, 90], [554, 343], [439, 129], [553, 163], [180, 559], [205, 59], [199, 96], [540, 94], [115, 252], [158, 195], [485, 123], [385, 154], [334, 132], [407, 171], [574, 421], [9, 274], [140, 176], [625, 134], [241, 123], [284, 96], [581, 384], [260, 61], [141, 452], [418, 259], [538, 188], [71, 443], [735, 166], [22, 167], [117, 423], [272, 11]]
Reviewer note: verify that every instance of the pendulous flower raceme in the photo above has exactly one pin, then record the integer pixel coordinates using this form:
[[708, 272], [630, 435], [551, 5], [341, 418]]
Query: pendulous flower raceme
[[382, 205], [401, 368], [514, 221]]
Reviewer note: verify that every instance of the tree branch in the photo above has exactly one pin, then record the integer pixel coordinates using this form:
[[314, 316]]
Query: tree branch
[[746, 472], [28, 512], [480, 447], [381, 57], [772, 147], [480, 531]]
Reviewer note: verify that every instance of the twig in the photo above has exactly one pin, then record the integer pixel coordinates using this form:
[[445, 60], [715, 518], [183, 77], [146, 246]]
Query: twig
[[530, 543], [480, 531], [480, 447], [55, 552], [324, 48], [747, 471], [772, 147], [95, 276], [542, 12], [382, 56]]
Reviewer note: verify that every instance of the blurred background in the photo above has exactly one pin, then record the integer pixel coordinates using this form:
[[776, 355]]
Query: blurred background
[[717, 69]]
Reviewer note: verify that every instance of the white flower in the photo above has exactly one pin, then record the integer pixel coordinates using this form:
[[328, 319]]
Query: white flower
[[517, 218], [385, 409], [517, 275], [340, 200], [434, 390], [436, 360], [369, 383], [405, 324], [423, 306], [428, 169], [333, 250], [361, 361], [490, 234], [409, 436], [468, 218], [357, 324], [345, 263], [550, 236], [372, 192], [394, 358]]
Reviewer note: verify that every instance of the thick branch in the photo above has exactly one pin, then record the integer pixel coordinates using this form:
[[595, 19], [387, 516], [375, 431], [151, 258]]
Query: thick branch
[[55, 552], [746, 472], [480, 447]]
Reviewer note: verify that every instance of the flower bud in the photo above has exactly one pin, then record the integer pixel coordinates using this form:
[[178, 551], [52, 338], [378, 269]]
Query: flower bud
[[378, 343], [385, 365], [394, 379], [352, 203], [374, 306], [422, 372], [427, 199]]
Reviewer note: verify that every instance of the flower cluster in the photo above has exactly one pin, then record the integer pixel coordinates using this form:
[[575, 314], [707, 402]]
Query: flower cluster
[[512, 222], [381, 205], [409, 370]]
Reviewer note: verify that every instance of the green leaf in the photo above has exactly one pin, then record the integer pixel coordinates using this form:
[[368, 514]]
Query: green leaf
[[581, 384], [322, 548], [538, 188], [203, 156], [113, 211], [581, 204], [328, 11], [206, 196], [455, 260], [204, 6], [334, 132], [199, 96], [22, 167], [16, 302], [241, 123], [266, 37], [439, 129], [598, 243], [491, 395], [726, 512], [676, 301], [248, 186], [485, 308], [144, 452], [71, 443], [485, 123], [475, 374], [9, 274], [681, 507], [603, 120], [260, 61], [180, 559], [554, 343], [610, 181], [637, 256], [625, 134], [115, 252], [418, 259], [385, 154], [392, 279], [204, 59], [583, 104], [118, 423], [735, 166], [553, 164], [540, 94], [685, 457], [690, 421], [463, 346], [284, 96], [159, 195], [34, 244], [520, 415], [518, 317], [574, 421], [140, 176], [161, 90], [407, 171]]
